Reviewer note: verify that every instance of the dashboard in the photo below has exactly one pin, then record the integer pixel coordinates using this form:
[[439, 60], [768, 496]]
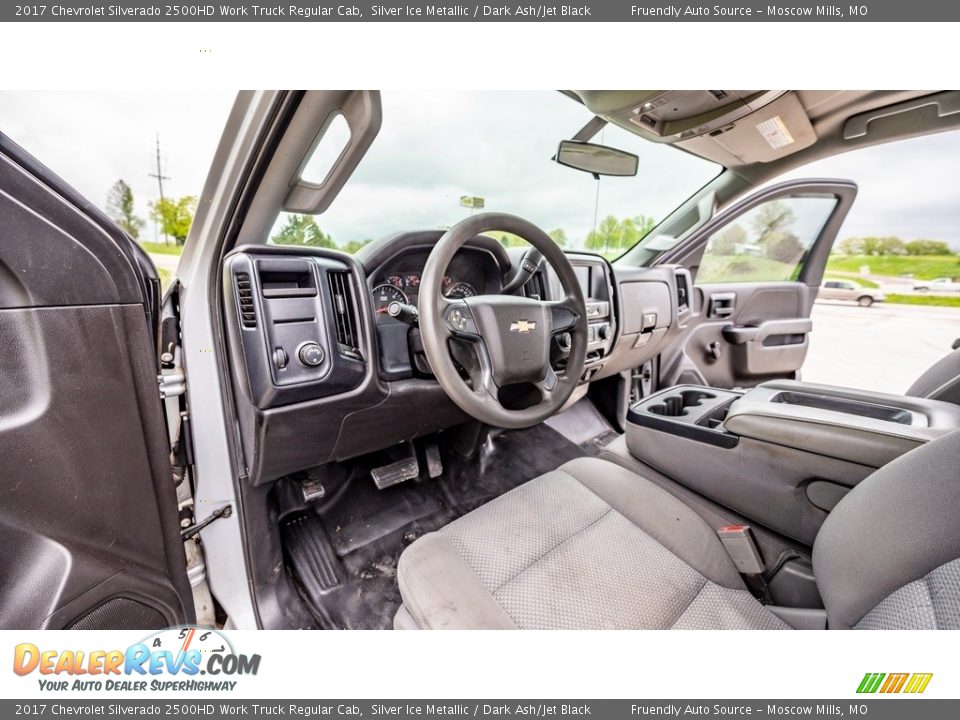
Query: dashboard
[[322, 374]]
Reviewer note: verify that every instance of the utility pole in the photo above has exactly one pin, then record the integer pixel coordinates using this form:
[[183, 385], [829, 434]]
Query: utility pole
[[160, 177]]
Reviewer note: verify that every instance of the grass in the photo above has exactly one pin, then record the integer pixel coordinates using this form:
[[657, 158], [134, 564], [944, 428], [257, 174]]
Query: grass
[[936, 300], [165, 279], [162, 248], [922, 267], [743, 268]]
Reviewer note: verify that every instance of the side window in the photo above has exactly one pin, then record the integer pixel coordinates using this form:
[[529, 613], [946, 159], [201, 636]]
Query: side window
[[767, 243]]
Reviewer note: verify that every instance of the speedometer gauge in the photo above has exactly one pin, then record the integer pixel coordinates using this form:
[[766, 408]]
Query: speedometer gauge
[[460, 290], [383, 295]]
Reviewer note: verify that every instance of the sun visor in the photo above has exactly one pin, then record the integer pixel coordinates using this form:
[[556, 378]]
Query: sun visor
[[770, 133]]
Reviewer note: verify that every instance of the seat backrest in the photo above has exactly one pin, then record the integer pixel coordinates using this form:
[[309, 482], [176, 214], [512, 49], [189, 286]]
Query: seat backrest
[[888, 556], [941, 381]]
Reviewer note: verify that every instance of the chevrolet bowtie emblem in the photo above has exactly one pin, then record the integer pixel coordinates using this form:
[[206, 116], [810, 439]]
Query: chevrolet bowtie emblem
[[522, 326]]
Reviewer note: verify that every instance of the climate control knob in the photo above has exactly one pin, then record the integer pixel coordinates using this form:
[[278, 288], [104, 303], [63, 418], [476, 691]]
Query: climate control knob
[[310, 354]]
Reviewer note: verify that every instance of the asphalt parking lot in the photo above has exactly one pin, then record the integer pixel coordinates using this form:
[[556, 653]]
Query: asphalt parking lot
[[883, 348]]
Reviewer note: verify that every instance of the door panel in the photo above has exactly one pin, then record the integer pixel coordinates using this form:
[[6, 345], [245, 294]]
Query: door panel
[[89, 529], [757, 269], [764, 336]]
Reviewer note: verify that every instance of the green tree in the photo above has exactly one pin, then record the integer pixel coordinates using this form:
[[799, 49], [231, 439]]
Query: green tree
[[633, 230], [559, 236], [850, 246], [771, 219], [873, 246], [784, 248], [302, 230], [890, 246], [121, 208], [606, 237], [509, 240], [175, 216], [354, 245], [927, 247], [728, 240]]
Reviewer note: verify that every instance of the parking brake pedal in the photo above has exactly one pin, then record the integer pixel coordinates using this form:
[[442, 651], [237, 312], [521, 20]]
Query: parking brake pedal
[[406, 468]]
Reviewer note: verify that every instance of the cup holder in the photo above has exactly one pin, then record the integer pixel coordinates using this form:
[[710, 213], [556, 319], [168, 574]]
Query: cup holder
[[677, 405]]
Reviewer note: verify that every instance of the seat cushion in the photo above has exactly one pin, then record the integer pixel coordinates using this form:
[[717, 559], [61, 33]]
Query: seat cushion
[[588, 546]]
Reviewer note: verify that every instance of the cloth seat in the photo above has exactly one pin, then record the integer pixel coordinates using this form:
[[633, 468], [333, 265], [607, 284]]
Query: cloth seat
[[594, 545], [588, 546], [941, 381]]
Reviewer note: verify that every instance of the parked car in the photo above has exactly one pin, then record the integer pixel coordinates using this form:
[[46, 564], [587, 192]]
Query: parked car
[[938, 285], [849, 290]]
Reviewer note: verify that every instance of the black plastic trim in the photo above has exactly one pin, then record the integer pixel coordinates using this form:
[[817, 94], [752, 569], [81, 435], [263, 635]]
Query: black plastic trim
[[684, 430]]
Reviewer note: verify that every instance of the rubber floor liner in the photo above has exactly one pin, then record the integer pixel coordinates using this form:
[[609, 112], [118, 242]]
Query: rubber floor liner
[[358, 536], [314, 563]]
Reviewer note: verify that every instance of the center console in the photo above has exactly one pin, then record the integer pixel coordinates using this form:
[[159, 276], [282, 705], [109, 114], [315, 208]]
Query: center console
[[784, 453]]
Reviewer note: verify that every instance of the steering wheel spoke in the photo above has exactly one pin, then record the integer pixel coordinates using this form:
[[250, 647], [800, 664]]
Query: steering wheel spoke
[[458, 319], [548, 384], [481, 372], [563, 314]]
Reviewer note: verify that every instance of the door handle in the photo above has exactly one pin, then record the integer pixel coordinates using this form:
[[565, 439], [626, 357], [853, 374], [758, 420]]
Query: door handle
[[722, 305], [740, 334]]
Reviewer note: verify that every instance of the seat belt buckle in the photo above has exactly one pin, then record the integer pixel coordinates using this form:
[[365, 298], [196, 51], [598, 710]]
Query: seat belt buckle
[[740, 545]]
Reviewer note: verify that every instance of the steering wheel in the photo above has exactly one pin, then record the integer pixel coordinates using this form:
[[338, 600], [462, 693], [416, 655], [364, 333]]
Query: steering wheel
[[510, 334]]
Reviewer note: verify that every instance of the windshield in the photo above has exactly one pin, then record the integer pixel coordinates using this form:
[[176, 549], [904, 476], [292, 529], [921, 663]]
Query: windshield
[[438, 150]]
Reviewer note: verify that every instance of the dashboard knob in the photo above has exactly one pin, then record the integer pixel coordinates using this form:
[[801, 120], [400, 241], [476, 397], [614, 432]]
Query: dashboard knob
[[604, 332], [310, 354]]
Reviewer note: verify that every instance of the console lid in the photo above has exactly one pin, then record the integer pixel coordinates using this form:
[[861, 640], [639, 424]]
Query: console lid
[[855, 425]]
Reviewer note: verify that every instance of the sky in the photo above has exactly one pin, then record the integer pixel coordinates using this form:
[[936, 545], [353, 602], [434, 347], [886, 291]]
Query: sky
[[436, 146]]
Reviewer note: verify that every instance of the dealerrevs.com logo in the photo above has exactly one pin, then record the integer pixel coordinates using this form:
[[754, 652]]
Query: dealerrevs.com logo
[[180, 659]]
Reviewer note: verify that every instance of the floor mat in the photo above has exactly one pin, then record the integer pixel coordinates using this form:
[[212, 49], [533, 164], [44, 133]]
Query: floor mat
[[366, 529]]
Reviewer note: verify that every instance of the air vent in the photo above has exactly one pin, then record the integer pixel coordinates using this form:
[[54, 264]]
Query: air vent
[[248, 313], [344, 310]]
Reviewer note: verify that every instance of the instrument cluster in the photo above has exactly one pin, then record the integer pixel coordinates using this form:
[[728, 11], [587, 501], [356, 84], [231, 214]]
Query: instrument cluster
[[470, 273]]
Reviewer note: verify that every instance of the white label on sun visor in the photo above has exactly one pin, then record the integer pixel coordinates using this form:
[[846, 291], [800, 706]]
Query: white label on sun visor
[[775, 132]]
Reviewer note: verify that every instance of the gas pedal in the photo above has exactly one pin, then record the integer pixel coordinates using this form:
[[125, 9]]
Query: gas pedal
[[396, 472], [434, 463]]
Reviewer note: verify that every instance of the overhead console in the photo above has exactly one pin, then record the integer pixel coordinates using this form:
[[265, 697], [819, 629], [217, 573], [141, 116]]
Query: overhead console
[[297, 323]]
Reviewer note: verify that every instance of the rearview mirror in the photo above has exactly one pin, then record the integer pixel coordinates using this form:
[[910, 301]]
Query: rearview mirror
[[596, 159]]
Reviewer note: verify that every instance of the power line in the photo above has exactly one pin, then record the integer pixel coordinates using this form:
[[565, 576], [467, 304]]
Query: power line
[[160, 177]]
